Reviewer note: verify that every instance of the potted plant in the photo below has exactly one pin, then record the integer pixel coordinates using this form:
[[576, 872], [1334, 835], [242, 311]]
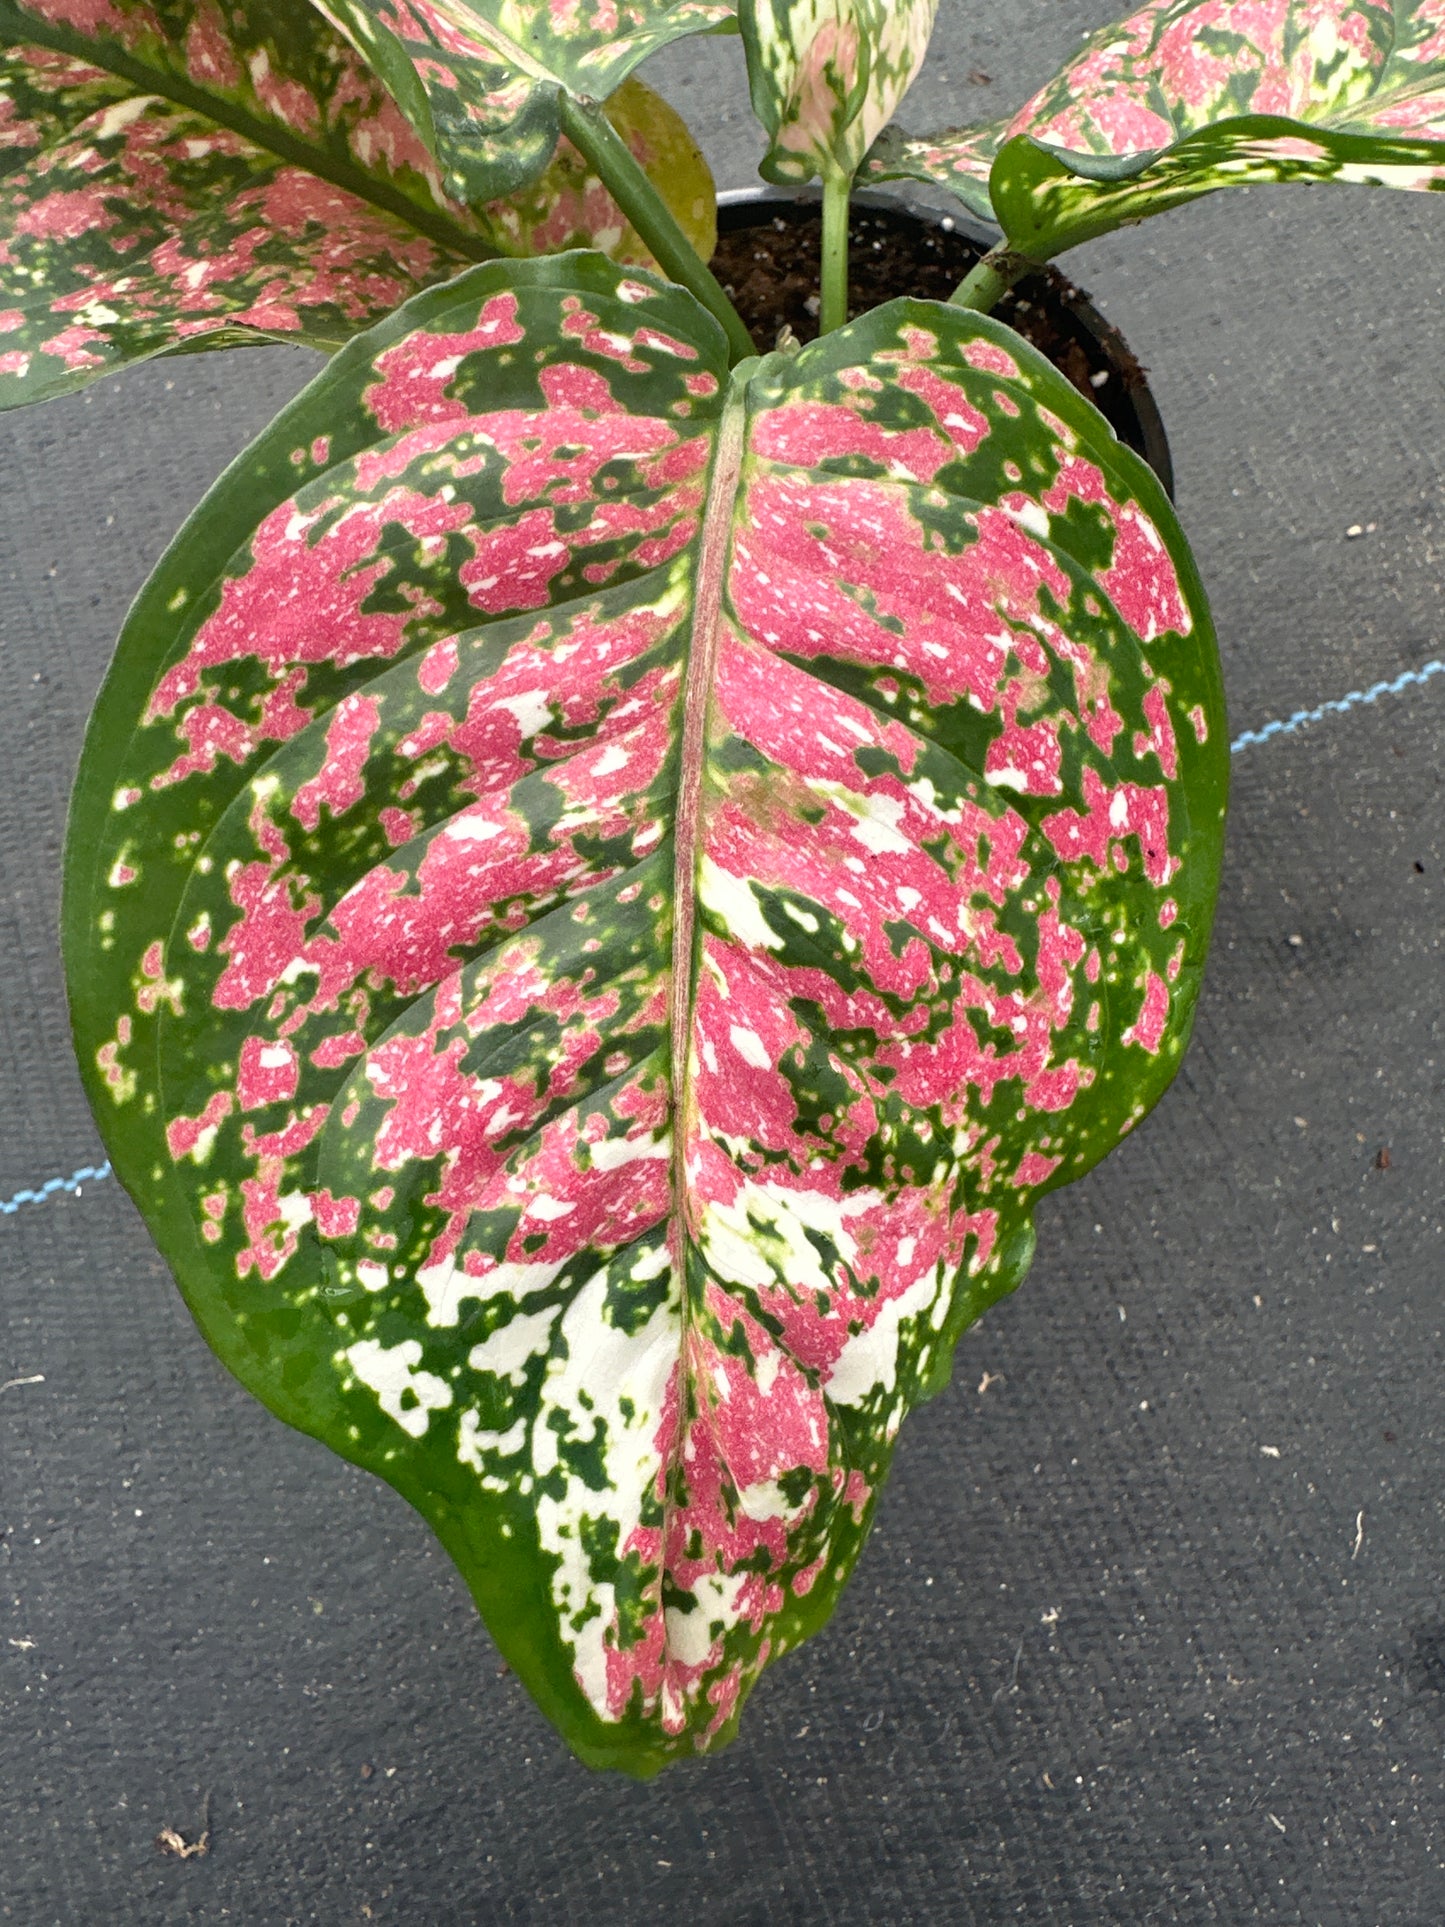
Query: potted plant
[[610, 871]]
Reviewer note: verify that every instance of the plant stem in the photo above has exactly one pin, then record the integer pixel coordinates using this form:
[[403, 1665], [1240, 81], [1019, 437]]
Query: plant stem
[[833, 313], [586, 125], [990, 279]]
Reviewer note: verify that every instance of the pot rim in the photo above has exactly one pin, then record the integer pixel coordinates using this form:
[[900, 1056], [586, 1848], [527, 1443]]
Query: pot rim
[[736, 200], [908, 196]]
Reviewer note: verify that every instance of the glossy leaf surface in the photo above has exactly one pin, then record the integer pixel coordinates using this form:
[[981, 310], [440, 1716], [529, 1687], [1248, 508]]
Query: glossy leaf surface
[[240, 175], [827, 75], [1188, 96], [600, 894], [480, 79]]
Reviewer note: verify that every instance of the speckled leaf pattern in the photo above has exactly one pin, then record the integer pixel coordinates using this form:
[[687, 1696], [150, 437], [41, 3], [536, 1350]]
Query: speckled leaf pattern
[[480, 79], [959, 158], [242, 176], [1188, 96], [603, 894], [826, 75], [186, 173]]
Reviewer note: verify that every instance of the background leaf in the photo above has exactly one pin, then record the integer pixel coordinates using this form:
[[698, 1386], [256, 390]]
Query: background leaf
[[190, 172], [480, 79], [207, 177], [1188, 96], [568, 207], [959, 158], [540, 739], [827, 74]]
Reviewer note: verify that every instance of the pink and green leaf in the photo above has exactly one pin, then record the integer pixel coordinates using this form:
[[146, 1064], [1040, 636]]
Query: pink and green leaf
[[151, 229], [1189, 96], [480, 80], [826, 76], [185, 174], [270, 71], [958, 158], [603, 894], [200, 179]]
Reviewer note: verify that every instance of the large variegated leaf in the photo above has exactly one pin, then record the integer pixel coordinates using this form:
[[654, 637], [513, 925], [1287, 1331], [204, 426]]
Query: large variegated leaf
[[600, 894], [1187, 96], [827, 75], [184, 171], [480, 80], [187, 175]]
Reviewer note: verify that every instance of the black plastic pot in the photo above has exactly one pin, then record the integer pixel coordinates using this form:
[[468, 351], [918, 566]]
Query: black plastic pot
[[1089, 349]]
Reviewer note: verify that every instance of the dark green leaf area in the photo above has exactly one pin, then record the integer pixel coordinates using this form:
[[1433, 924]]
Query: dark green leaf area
[[983, 1286], [503, 153], [1086, 533], [632, 1301]]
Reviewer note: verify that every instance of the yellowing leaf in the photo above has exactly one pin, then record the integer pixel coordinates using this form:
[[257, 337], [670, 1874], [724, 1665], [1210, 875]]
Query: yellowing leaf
[[568, 207]]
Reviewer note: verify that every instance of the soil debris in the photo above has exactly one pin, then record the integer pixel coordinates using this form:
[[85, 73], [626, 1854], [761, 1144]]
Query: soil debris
[[174, 1843], [771, 274]]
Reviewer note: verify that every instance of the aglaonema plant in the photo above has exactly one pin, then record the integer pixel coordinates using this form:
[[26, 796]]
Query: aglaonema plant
[[609, 873]]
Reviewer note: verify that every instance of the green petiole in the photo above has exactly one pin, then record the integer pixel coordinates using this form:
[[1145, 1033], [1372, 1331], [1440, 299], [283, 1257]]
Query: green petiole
[[586, 125]]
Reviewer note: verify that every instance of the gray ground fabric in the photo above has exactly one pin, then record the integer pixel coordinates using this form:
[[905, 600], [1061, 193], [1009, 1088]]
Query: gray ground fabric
[[1153, 1626]]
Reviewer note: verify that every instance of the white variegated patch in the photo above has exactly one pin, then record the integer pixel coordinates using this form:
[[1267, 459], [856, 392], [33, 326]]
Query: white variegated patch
[[869, 1360], [760, 1240], [404, 1391], [604, 1390]]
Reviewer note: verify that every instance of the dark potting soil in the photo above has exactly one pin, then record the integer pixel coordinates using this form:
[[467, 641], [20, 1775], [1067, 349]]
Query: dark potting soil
[[771, 273]]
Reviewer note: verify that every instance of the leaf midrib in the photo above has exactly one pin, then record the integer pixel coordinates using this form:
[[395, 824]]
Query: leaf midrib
[[714, 546], [267, 135], [714, 549]]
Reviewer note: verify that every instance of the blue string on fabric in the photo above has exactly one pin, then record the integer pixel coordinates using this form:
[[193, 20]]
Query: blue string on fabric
[[87, 1172], [1356, 699]]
